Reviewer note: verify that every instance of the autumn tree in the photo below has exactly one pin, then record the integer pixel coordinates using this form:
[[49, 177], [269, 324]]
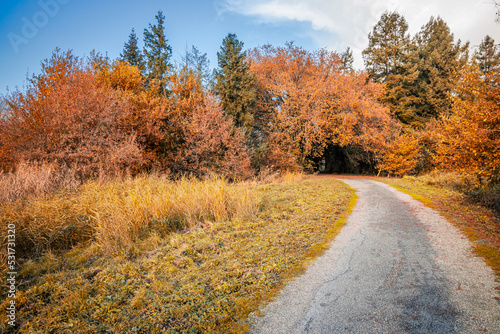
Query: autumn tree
[[206, 141], [234, 83], [157, 52], [488, 55], [307, 103], [68, 117], [289, 80], [132, 54], [7, 158], [469, 138], [149, 119], [402, 155]]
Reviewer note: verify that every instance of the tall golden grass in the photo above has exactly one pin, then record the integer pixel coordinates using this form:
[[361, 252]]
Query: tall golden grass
[[33, 180], [115, 213]]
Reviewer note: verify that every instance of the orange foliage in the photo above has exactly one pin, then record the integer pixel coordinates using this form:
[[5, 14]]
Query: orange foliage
[[69, 117], [306, 102], [208, 143], [101, 118], [469, 139], [148, 117], [402, 156]]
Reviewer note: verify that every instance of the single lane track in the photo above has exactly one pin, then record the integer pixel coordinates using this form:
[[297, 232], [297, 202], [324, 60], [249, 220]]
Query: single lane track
[[396, 267]]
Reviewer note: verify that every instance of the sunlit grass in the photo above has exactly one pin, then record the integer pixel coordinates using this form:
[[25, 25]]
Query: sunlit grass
[[238, 246], [116, 213]]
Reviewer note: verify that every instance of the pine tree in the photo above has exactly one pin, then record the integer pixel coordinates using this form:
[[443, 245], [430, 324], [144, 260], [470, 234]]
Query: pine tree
[[132, 54], [438, 59], [347, 60], [235, 83], [388, 60], [388, 44], [199, 64], [157, 53], [488, 55]]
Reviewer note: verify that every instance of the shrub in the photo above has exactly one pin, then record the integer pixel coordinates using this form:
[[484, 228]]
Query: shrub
[[69, 118], [402, 156]]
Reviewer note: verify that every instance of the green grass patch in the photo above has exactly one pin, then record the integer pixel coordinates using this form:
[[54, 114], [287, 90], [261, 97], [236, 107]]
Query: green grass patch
[[205, 278], [478, 223]]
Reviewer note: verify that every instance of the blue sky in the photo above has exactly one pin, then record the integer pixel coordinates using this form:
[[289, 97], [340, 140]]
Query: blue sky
[[30, 30]]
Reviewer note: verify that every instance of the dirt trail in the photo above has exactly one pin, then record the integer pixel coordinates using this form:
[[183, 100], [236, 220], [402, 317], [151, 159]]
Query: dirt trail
[[396, 267]]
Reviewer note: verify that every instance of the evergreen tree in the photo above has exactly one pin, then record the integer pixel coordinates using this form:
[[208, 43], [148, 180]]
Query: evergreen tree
[[235, 83], [419, 74], [488, 55], [157, 53], [347, 60], [388, 44], [132, 54], [199, 64], [388, 60], [438, 60]]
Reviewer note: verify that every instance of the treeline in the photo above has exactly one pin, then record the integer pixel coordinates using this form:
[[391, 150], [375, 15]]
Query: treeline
[[423, 102], [446, 99]]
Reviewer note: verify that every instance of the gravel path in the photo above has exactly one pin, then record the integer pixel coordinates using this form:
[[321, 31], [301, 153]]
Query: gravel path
[[396, 267]]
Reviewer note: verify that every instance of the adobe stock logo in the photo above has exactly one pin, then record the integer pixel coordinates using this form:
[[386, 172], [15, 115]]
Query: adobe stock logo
[[30, 28]]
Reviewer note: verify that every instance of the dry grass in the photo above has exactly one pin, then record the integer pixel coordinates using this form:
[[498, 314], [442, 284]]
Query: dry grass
[[202, 279], [448, 193], [476, 190], [115, 213], [269, 176], [31, 180]]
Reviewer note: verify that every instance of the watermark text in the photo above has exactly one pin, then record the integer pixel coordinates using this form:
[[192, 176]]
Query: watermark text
[[30, 26], [11, 274]]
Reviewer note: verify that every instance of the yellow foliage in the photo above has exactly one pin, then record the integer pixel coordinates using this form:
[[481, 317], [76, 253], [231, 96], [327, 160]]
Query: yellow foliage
[[123, 77], [469, 139], [402, 156]]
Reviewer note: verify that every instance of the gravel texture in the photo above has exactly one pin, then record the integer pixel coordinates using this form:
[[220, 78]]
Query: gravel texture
[[396, 267]]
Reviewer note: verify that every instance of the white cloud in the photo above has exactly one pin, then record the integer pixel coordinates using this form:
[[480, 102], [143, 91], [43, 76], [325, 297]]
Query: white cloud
[[347, 23]]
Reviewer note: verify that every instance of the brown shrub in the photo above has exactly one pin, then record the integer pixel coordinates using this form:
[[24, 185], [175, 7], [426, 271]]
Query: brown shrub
[[207, 142], [69, 118]]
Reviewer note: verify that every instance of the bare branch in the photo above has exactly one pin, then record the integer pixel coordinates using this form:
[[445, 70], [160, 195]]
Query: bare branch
[[497, 6]]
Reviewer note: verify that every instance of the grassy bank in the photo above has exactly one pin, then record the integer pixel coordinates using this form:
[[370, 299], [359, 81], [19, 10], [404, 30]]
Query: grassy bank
[[205, 275], [443, 192], [116, 213]]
